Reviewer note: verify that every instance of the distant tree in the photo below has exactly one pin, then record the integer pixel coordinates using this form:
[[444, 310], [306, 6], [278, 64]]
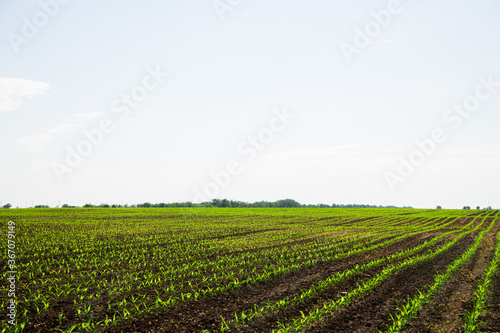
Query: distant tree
[[439, 207], [466, 207], [65, 206], [477, 207], [7, 206], [216, 202], [287, 203], [88, 205], [41, 206]]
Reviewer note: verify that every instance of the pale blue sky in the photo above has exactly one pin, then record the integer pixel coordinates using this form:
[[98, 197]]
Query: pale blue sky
[[352, 120]]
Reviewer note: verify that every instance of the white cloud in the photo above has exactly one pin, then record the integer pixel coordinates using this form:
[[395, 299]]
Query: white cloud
[[36, 142], [64, 128], [14, 91]]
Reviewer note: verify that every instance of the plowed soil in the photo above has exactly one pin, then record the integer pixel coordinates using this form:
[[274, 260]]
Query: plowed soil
[[369, 313], [206, 313], [447, 310], [373, 311]]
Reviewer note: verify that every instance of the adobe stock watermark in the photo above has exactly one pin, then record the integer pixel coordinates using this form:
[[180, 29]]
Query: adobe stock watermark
[[222, 7], [454, 117], [122, 107], [11, 273], [248, 149], [364, 37], [31, 26]]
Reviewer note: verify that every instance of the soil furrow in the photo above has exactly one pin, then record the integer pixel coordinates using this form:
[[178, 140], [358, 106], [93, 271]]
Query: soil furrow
[[206, 313], [373, 310], [492, 317], [448, 308]]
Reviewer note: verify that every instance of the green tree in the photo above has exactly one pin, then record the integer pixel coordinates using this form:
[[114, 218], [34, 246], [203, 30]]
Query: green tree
[[287, 203]]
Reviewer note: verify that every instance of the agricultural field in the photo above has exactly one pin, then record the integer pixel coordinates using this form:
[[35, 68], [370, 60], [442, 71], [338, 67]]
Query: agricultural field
[[252, 270]]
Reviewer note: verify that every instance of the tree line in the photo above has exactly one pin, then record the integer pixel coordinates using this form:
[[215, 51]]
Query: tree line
[[225, 203]]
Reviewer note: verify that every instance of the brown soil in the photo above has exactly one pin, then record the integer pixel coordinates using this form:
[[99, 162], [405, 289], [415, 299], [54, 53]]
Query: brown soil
[[447, 310], [492, 318], [373, 311], [364, 315], [206, 313]]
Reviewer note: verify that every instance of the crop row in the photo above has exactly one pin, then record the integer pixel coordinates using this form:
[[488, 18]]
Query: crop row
[[413, 306], [473, 318], [366, 287], [118, 264]]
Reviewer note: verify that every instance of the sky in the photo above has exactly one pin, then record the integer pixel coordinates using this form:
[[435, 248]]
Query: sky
[[374, 102]]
